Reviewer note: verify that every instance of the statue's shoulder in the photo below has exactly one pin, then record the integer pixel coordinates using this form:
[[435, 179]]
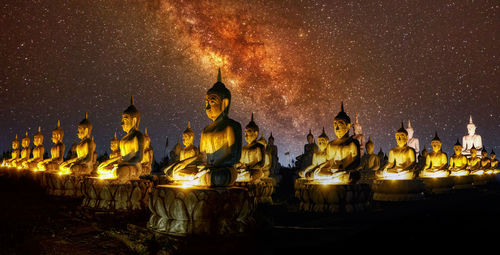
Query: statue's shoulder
[[233, 123]]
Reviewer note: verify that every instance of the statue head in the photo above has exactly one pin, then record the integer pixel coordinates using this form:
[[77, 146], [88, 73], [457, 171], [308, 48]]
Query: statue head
[[323, 140], [341, 123], [262, 140], [369, 146], [131, 117], [15, 144], [25, 142], [410, 130], [310, 137], [188, 136], [358, 129], [84, 128], [473, 151], [492, 155], [38, 137], [270, 139], [425, 152], [218, 100], [436, 143], [147, 139], [484, 153], [114, 144], [401, 136], [57, 133], [251, 131], [457, 148], [471, 127]]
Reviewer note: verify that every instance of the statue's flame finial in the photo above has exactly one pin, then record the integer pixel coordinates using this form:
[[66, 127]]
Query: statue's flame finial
[[219, 76], [409, 124], [58, 123], [132, 100], [470, 119]]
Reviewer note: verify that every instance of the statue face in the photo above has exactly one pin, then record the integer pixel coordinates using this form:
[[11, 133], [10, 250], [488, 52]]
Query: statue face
[[271, 141], [56, 137], [492, 156], [250, 135], [410, 132], [401, 139], [15, 145], [425, 153], [310, 139], [114, 145], [83, 132], [147, 142], [484, 154], [358, 129], [473, 152], [322, 143], [25, 143], [341, 128], [436, 145], [187, 139], [215, 106], [471, 129], [38, 140], [457, 149], [370, 148], [128, 122]]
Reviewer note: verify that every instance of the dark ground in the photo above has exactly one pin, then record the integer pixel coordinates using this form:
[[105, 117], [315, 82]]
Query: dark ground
[[34, 223]]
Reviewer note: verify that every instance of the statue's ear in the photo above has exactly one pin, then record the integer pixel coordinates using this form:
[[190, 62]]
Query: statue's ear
[[349, 126], [225, 103]]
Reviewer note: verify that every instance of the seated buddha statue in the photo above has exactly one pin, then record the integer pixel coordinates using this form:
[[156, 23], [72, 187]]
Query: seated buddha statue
[[128, 165], [175, 153], [413, 142], [114, 145], [485, 161], [187, 155], [147, 158], [342, 154], [37, 152], [273, 151], [25, 152], [358, 135], [252, 156], [267, 157], [436, 162], [371, 161], [83, 163], [319, 157], [474, 162], [220, 142], [493, 161], [56, 152], [471, 139], [15, 154], [401, 161], [458, 162]]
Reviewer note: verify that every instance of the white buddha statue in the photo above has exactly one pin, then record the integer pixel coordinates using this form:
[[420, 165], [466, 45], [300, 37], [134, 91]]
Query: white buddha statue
[[412, 141], [358, 135], [471, 139]]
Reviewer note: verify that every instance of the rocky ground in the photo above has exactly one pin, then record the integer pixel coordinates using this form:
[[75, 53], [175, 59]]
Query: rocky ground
[[34, 223]]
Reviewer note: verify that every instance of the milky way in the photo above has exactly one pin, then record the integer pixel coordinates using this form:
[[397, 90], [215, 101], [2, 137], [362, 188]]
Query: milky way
[[291, 63]]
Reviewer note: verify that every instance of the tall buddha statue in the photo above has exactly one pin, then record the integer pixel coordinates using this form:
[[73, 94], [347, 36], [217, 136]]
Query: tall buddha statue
[[342, 154], [474, 162], [37, 152], [147, 158], [83, 163], [371, 161], [15, 154], [436, 162], [471, 139], [220, 142], [458, 162], [25, 152], [401, 162], [485, 161], [493, 161], [309, 149], [413, 141], [319, 157], [252, 156], [273, 151], [187, 155], [56, 152], [358, 135]]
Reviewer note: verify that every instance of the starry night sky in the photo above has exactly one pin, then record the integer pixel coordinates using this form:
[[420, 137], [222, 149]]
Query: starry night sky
[[289, 62]]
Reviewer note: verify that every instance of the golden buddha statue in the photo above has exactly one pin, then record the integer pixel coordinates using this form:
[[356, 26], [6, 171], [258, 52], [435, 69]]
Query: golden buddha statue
[[371, 161], [56, 152], [175, 153], [25, 152], [474, 162], [436, 161], [485, 161], [342, 154], [493, 161], [187, 155], [15, 154], [458, 162], [220, 143], [114, 145], [267, 157], [83, 163], [401, 161], [319, 157], [252, 156], [128, 166], [37, 152], [147, 158]]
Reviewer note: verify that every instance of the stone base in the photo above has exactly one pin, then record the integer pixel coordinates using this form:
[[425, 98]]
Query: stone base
[[438, 185], [398, 190], [200, 210], [462, 182], [332, 198], [104, 195], [62, 185], [261, 192]]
